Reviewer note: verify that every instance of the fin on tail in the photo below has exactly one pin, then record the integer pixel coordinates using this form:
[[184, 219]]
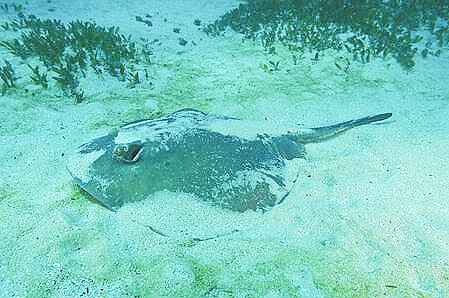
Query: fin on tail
[[322, 133]]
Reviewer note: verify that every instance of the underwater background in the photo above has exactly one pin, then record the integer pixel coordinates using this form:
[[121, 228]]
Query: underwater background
[[368, 216]]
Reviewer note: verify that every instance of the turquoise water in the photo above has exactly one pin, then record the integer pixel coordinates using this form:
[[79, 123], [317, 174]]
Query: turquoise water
[[367, 216]]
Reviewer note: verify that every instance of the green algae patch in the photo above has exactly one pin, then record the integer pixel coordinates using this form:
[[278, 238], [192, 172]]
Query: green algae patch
[[63, 55], [363, 29]]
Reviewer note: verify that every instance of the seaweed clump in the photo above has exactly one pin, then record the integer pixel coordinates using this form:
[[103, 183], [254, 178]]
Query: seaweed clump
[[66, 51], [365, 29], [8, 77]]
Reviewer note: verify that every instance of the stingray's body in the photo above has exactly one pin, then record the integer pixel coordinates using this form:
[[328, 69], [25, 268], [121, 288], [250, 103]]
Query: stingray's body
[[230, 163]]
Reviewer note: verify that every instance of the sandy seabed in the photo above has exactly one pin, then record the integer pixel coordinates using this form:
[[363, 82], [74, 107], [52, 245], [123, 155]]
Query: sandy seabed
[[369, 216]]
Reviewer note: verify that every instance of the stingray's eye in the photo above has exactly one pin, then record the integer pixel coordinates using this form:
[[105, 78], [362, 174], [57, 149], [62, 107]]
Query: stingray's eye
[[128, 153], [121, 149]]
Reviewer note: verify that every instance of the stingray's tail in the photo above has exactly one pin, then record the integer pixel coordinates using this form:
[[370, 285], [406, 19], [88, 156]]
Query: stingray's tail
[[318, 134]]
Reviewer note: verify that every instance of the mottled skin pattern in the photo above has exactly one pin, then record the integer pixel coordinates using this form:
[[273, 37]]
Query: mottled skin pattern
[[186, 152]]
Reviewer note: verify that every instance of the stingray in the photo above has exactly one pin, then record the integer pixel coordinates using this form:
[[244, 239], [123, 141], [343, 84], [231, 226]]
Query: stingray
[[226, 162]]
